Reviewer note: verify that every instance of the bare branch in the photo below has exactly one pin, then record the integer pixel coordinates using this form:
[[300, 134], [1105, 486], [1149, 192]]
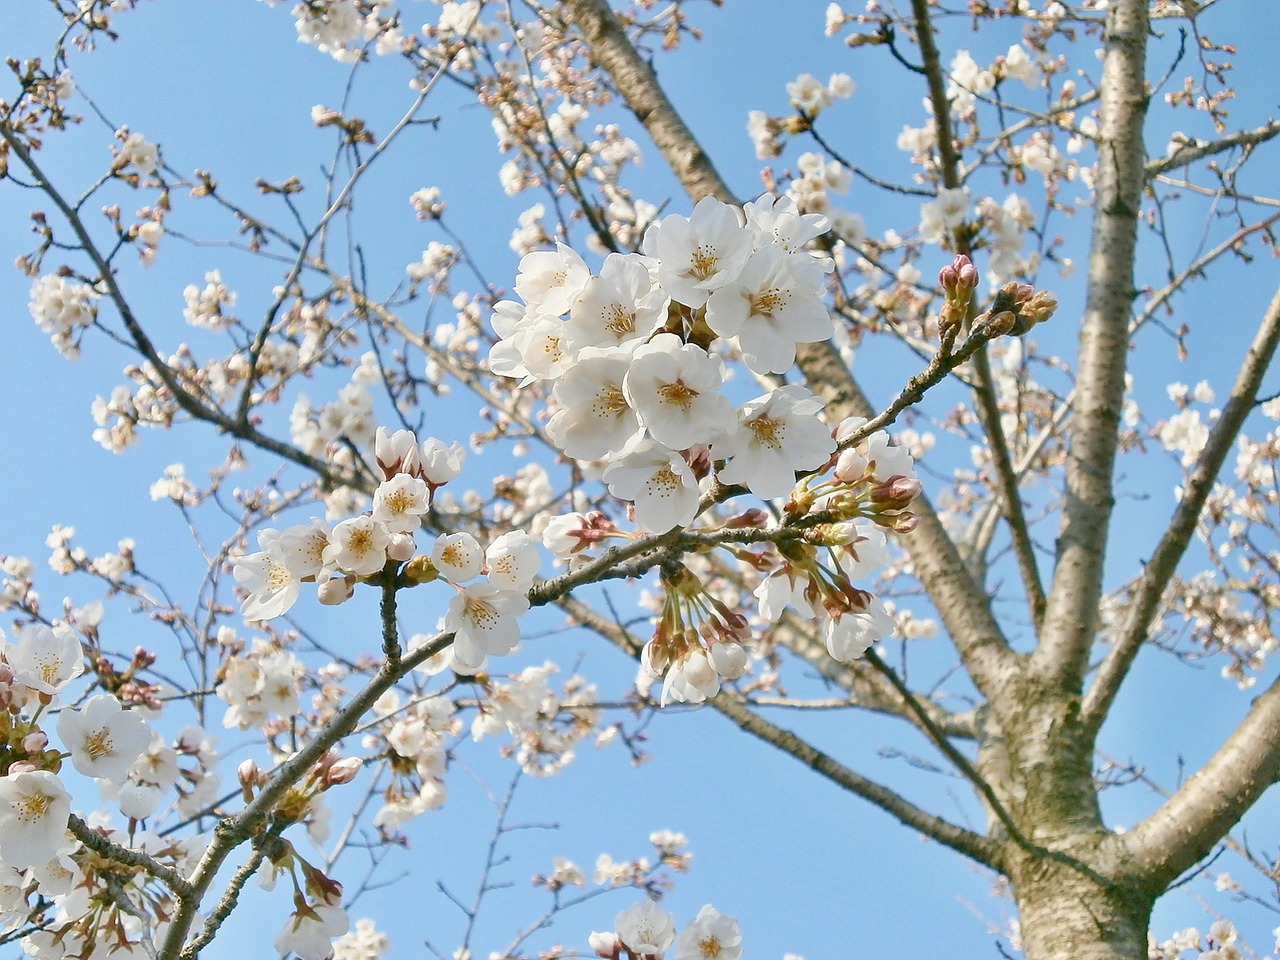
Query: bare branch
[[987, 403], [1198, 151], [1071, 612], [1213, 799], [1163, 562], [985, 851]]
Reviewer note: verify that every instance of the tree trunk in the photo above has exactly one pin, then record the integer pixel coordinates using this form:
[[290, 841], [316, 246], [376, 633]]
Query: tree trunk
[[1067, 914]]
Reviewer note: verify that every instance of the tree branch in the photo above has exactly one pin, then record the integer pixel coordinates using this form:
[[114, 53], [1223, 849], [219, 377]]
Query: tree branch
[[1213, 799], [987, 403], [1195, 491], [1071, 612], [1193, 152], [981, 849]]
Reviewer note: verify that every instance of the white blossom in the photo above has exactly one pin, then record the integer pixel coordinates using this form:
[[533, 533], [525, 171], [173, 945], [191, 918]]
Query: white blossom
[[699, 254], [103, 738], [310, 934], [674, 387], [658, 481], [778, 436], [45, 659], [34, 807]]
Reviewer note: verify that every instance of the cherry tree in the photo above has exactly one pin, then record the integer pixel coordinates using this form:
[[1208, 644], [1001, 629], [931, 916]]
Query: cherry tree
[[947, 532]]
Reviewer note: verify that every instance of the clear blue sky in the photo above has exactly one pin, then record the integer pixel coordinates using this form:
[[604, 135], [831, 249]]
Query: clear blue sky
[[807, 869]]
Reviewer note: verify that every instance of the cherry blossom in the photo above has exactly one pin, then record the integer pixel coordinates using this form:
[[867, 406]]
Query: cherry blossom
[[850, 635], [458, 557], [400, 502], [645, 929], [272, 585], [674, 388], [358, 546], [550, 282], [658, 481], [309, 932], [711, 936], [619, 307], [34, 807], [778, 435], [104, 739], [595, 417], [512, 561], [699, 254], [772, 304], [483, 618], [45, 659]]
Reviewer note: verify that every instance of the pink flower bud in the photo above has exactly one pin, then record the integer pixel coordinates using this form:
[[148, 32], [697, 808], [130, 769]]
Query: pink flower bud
[[35, 741], [343, 771], [606, 945], [897, 491], [336, 590], [905, 522], [400, 548]]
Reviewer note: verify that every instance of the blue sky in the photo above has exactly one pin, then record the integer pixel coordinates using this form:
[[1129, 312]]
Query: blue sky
[[222, 84]]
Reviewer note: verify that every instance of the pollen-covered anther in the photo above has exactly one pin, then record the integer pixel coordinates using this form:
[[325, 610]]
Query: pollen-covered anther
[[768, 431], [702, 263], [678, 394], [609, 402], [618, 321], [663, 483], [764, 303]]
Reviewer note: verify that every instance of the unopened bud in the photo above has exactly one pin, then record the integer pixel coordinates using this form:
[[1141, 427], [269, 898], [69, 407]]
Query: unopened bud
[[905, 522], [247, 774], [996, 324], [896, 492], [420, 570], [34, 742], [336, 590], [753, 519], [959, 277], [400, 547], [1037, 309], [606, 945], [343, 771], [851, 466]]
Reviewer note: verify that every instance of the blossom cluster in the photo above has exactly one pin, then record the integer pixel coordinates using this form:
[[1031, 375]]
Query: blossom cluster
[[490, 582], [103, 739], [647, 931], [631, 356], [61, 307]]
